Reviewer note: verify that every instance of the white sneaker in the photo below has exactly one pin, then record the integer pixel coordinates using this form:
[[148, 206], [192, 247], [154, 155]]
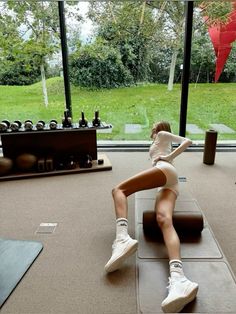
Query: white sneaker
[[181, 292], [121, 249]]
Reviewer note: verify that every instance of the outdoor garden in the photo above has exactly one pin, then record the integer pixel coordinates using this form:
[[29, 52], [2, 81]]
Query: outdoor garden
[[128, 65]]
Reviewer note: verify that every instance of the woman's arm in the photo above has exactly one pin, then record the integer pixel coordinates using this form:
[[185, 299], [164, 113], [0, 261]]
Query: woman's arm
[[183, 141]]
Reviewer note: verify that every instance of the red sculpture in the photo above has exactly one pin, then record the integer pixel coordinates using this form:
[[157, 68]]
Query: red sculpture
[[222, 37]]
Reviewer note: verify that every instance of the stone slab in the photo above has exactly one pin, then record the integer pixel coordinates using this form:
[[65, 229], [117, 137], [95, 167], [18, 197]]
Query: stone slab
[[193, 129], [221, 128], [133, 128]]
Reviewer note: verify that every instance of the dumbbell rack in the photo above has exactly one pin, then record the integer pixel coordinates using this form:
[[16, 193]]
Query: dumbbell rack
[[53, 144]]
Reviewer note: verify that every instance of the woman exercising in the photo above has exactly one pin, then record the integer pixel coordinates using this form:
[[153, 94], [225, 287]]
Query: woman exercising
[[164, 176]]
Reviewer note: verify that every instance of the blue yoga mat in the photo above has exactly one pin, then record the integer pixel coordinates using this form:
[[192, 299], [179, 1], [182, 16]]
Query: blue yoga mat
[[16, 256]]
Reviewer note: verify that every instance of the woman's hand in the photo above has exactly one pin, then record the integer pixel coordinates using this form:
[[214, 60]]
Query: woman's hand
[[166, 158], [162, 157]]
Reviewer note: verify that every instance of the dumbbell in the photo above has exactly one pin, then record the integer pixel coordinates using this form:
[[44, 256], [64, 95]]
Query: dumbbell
[[53, 124], [28, 125], [67, 120], [66, 163], [40, 125], [86, 161], [4, 125], [83, 122], [16, 125], [96, 120], [70, 163]]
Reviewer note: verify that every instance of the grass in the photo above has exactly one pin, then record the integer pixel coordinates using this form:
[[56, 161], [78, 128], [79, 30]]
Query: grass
[[142, 104]]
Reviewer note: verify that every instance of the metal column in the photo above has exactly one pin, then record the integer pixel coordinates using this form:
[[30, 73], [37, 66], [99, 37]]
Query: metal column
[[186, 66], [64, 56]]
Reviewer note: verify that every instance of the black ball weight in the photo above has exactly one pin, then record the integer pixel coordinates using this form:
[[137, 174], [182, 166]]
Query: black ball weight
[[6, 165], [4, 125], [16, 125], [53, 124], [40, 125], [26, 161], [28, 125]]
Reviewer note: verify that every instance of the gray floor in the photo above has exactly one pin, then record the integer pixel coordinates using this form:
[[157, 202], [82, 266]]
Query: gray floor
[[68, 276]]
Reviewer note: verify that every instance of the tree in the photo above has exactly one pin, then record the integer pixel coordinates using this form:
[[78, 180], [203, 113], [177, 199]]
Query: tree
[[216, 23], [172, 30], [202, 54], [215, 11], [155, 31], [37, 23], [132, 36], [173, 14], [155, 26], [34, 22], [97, 65]]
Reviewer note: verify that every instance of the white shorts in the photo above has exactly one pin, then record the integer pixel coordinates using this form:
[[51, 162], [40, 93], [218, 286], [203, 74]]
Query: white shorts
[[171, 176]]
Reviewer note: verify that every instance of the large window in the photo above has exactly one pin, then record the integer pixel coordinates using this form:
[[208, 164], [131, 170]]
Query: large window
[[212, 97], [125, 60], [30, 83], [130, 66]]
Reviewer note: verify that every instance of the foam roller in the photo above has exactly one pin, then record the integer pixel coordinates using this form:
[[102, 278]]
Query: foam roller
[[210, 147], [185, 223]]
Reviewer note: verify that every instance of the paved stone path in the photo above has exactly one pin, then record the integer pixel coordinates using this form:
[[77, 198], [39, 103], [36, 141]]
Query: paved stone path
[[133, 128], [221, 128], [190, 128]]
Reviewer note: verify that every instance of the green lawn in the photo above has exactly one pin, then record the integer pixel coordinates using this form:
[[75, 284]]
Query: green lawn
[[143, 104]]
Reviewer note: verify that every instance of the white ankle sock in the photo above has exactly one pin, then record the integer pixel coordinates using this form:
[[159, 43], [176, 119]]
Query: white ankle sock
[[176, 269], [121, 228]]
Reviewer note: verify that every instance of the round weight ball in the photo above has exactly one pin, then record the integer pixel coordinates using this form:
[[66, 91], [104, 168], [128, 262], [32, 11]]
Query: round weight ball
[[53, 124], [28, 125], [40, 125], [5, 165], [26, 161]]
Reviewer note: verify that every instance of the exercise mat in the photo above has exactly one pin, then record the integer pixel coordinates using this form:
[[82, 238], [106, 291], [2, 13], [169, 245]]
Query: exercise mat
[[16, 256], [185, 223]]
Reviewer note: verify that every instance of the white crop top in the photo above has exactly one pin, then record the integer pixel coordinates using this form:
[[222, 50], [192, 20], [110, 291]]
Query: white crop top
[[162, 146]]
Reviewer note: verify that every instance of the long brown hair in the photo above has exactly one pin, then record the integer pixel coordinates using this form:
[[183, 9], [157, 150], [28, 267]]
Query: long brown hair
[[160, 126]]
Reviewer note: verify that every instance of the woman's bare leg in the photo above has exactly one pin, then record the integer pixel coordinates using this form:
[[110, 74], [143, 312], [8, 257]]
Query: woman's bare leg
[[147, 179], [124, 245], [165, 205], [181, 290]]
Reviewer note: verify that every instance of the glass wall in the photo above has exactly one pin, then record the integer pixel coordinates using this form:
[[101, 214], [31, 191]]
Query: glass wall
[[30, 84], [125, 60], [129, 65], [212, 92]]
